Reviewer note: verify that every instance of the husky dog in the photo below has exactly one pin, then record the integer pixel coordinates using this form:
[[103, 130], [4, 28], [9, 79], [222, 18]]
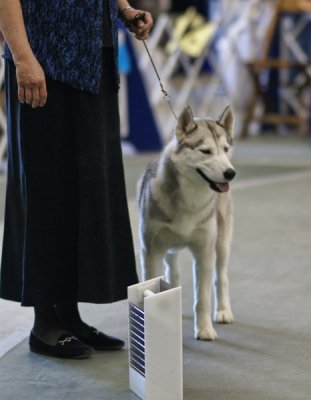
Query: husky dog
[[184, 201]]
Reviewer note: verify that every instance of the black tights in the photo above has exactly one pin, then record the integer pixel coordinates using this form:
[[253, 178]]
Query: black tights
[[51, 321]]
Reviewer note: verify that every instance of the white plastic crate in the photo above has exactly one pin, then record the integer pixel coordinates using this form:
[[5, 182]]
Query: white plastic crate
[[155, 340]]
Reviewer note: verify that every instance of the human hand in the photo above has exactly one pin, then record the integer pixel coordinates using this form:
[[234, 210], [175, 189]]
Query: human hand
[[31, 81], [139, 22]]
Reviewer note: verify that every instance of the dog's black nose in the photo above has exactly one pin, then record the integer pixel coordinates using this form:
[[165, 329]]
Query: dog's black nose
[[229, 174]]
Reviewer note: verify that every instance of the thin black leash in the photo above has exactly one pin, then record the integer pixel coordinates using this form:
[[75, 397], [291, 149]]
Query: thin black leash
[[166, 96]]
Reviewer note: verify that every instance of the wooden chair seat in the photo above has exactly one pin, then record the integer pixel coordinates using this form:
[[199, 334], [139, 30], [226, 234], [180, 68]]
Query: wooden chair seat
[[277, 64], [297, 117]]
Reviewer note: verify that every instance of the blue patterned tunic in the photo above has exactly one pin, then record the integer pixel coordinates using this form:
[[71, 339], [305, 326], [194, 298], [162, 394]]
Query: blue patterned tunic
[[67, 38]]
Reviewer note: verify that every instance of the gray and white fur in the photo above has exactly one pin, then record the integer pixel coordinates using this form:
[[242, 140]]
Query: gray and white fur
[[184, 201]]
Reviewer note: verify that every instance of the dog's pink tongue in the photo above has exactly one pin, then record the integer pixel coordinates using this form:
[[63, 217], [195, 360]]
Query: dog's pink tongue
[[223, 187]]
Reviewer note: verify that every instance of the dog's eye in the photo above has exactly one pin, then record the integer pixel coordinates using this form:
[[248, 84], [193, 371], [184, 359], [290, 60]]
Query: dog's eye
[[206, 151], [226, 149]]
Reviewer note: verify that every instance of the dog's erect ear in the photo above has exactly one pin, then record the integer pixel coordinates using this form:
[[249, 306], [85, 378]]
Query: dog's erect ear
[[185, 123], [226, 121]]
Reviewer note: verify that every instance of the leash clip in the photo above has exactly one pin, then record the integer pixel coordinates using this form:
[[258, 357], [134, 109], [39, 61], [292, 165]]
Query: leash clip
[[167, 97]]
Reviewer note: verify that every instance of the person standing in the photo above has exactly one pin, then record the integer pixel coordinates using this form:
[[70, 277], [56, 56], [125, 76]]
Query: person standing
[[67, 236]]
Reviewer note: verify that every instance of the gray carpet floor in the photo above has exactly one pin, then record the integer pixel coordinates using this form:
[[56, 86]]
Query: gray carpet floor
[[265, 354]]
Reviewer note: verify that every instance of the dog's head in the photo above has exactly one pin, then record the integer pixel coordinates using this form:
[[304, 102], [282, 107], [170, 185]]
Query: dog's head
[[203, 148]]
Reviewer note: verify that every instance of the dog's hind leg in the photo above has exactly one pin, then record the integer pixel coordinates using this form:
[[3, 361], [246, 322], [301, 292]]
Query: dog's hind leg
[[223, 312], [171, 269]]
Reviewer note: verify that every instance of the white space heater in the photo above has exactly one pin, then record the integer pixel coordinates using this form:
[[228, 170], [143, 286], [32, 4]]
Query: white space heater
[[155, 340]]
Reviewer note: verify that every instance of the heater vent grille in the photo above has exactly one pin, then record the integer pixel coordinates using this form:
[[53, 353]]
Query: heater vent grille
[[137, 339]]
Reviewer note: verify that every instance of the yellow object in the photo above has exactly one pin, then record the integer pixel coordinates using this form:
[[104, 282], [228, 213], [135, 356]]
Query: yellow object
[[191, 32], [194, 42], [181, 25]]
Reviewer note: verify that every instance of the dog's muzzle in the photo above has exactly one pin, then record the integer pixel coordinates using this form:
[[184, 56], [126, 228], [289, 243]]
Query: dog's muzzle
[[220, 187]]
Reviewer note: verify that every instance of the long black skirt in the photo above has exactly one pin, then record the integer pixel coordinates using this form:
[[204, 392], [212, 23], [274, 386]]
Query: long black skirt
[[67, 235]]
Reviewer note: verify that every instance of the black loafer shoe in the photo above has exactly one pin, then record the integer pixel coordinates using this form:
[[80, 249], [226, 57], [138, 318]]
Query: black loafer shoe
[[68, 346], [100, 341]]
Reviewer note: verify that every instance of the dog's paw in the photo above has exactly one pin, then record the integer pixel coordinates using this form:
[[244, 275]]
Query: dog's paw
[[205, 334], [224, 317]]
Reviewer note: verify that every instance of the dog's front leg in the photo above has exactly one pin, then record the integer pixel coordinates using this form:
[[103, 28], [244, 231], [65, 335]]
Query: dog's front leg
[[223, 308], [203, 263], [171, 269], [151, 263]]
